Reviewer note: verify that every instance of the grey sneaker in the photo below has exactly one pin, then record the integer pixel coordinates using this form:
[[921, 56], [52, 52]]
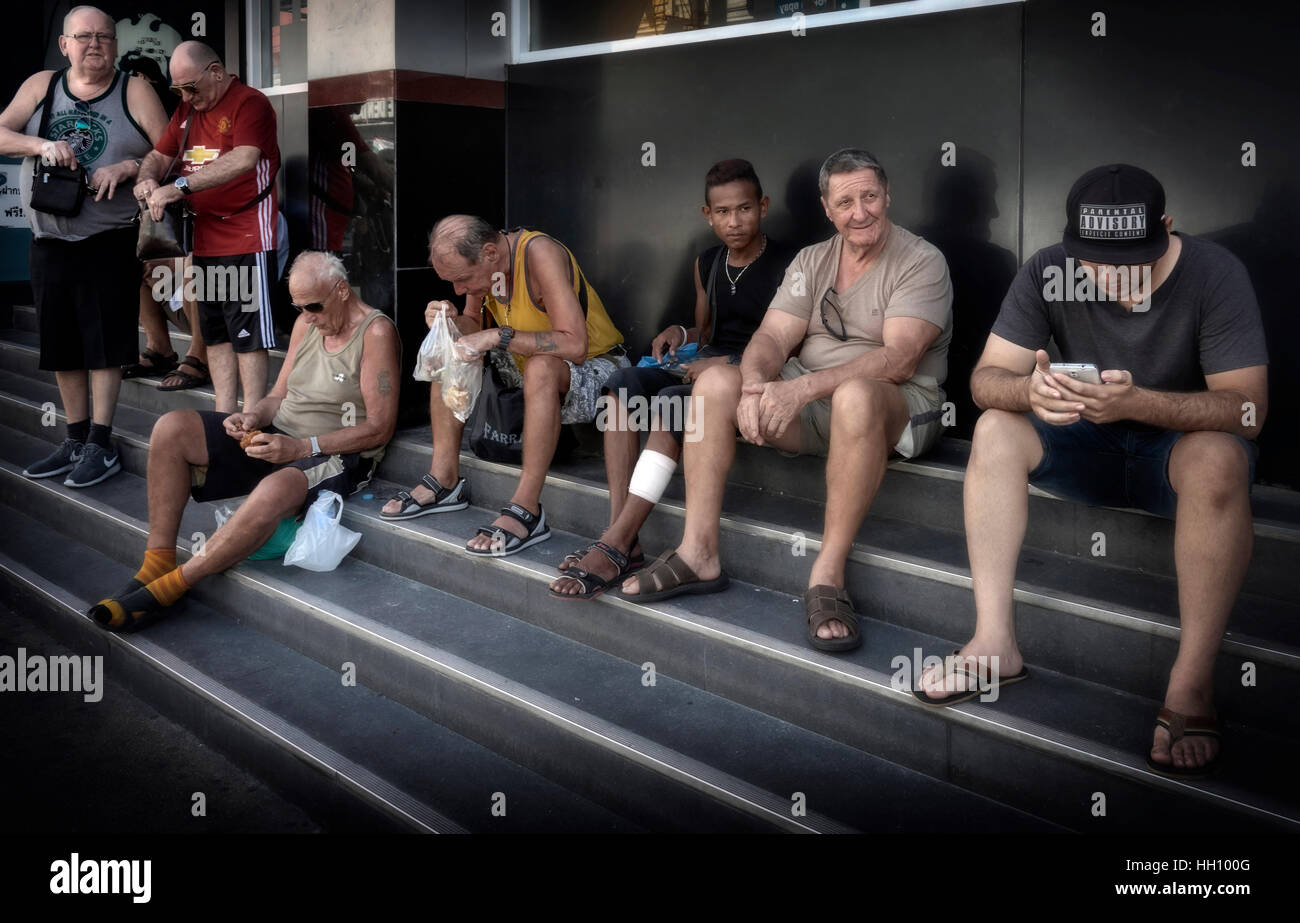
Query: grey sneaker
[[60, 461], [95, 465]]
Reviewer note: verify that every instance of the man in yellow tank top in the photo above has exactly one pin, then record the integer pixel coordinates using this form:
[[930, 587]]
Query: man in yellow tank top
[[552, 322]]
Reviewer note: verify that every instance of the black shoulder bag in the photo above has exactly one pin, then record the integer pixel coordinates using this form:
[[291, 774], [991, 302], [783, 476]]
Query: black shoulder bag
[[56, 190]]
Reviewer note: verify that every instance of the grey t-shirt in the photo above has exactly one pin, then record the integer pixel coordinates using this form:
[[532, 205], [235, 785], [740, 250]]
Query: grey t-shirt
[[1202, 320], [908, 279]]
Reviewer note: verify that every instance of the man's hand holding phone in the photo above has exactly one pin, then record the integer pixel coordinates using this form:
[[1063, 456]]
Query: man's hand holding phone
[[1065, 393]]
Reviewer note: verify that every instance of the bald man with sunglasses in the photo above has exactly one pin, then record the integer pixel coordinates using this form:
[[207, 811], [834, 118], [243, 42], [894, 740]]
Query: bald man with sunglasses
[[324, 426], [222, 139]]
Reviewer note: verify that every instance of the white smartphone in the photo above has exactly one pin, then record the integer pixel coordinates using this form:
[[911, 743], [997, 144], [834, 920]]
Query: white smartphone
[[1079, 371]]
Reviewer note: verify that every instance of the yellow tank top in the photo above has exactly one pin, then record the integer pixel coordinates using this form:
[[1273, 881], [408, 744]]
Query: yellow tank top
[[526, 317]]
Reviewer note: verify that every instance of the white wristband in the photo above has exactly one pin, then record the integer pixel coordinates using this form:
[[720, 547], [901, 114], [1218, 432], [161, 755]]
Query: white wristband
[[686, 337]]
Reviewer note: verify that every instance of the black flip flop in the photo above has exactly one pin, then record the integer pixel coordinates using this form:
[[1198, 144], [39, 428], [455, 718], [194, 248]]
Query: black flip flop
[[1180, 726], [973, 685]]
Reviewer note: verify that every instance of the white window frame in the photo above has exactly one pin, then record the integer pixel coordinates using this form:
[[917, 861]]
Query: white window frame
[[521, 54], [253, 35]]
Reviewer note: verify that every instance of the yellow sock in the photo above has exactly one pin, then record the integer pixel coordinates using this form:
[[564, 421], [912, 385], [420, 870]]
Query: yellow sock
[[157, 561], [168, 588]]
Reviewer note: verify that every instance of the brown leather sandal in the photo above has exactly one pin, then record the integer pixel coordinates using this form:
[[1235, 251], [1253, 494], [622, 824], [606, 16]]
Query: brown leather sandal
[[671, 577], [825, 603]]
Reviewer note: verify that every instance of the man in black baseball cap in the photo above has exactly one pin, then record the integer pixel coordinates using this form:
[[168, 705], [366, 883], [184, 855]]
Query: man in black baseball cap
[[1172, 324]]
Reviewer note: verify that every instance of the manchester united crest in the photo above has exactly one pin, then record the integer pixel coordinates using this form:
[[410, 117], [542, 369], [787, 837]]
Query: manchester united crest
[[223, 126]]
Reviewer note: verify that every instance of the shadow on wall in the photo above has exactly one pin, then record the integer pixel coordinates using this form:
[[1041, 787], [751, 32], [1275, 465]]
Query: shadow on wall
[[1267, 246], [961, 203]]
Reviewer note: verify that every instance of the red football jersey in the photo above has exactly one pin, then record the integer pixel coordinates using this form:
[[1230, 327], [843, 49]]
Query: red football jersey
[[243, 116]]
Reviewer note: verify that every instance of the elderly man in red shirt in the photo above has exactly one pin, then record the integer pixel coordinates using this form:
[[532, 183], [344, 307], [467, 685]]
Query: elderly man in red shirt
[[223, 139]]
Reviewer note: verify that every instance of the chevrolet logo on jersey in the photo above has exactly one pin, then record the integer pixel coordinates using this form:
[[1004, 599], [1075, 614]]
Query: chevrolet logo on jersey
[[200, 155]]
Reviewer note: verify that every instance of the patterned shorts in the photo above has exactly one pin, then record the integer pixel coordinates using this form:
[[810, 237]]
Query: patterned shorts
[[585, 381]]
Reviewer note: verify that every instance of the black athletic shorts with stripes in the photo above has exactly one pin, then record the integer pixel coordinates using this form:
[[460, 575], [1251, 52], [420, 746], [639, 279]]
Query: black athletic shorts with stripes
[[234, 299], [230, 472]]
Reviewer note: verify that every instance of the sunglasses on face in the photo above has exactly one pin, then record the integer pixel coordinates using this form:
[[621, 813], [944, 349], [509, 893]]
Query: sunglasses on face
[[192, 86], [316, 307], [827, 300]]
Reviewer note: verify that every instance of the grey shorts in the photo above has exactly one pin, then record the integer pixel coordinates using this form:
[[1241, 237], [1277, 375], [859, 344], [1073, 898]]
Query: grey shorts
[[924, 404], [585, 381]]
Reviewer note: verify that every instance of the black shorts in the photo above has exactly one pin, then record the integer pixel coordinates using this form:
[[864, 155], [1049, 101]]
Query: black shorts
[[230, 472], [87, 295], [234, 299]]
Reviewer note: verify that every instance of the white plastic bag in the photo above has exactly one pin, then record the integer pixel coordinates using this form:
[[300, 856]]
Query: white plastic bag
[[462, 379], [322, 540], [432, 357]]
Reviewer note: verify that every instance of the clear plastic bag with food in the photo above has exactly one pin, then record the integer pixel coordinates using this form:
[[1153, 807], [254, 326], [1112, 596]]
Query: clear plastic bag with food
[[432, 357], [462, 379]]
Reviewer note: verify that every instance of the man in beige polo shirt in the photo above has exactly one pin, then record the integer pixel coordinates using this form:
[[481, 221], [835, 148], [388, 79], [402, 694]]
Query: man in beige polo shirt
[[847, 364]]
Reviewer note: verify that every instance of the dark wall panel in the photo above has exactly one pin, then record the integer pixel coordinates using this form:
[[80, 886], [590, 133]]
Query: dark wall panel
[[1177, 88], [900, 88], [450, 159]]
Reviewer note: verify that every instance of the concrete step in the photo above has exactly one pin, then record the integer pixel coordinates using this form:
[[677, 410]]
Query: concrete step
[[1068, 611], [509, 684], [24, 318], [345, 753], [924, 493], [746, 645]]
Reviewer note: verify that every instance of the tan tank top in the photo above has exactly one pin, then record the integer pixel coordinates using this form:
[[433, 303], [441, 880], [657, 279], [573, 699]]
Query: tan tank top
[[325, 387]]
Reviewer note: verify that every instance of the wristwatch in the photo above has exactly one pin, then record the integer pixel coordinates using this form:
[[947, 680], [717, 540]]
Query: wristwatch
[[183, 185], [507, 334], [315, 448]]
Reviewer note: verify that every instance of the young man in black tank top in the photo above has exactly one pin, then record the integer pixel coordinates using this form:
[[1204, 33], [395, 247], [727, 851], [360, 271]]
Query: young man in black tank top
[[734, 283]]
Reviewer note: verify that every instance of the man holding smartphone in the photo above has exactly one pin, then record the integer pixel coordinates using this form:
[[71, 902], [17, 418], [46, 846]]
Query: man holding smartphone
[[1170, 429]]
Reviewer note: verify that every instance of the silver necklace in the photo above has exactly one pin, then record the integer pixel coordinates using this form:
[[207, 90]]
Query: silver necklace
[[726, 267]]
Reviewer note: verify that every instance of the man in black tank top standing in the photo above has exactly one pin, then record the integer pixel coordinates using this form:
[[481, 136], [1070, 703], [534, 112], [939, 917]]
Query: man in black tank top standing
[[85, 277]]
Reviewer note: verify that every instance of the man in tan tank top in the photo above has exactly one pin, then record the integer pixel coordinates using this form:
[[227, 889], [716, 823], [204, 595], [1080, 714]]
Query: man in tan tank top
[[342, 366]]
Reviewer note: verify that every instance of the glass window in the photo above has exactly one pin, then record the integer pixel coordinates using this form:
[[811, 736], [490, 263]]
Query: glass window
[[281, 37]]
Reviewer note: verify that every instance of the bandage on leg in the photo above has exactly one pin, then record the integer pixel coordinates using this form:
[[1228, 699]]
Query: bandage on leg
[[651, 474]]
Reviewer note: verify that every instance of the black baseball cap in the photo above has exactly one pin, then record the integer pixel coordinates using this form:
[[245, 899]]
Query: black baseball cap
[[1115, 215]]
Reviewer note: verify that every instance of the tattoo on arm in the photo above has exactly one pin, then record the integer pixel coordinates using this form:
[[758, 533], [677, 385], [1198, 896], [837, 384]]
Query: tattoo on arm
[[385, 385], [546, 343]]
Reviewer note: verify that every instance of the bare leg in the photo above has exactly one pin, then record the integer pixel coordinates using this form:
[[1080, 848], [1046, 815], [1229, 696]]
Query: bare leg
[[252, 374], [1213, 540], [176, 444], [152, 319], [713, 417], [105, 385], [621, 449], [867, 419], [546, 381], [225, 376], [74, 392], [1004, 450], [622, 532], [277, 496]]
